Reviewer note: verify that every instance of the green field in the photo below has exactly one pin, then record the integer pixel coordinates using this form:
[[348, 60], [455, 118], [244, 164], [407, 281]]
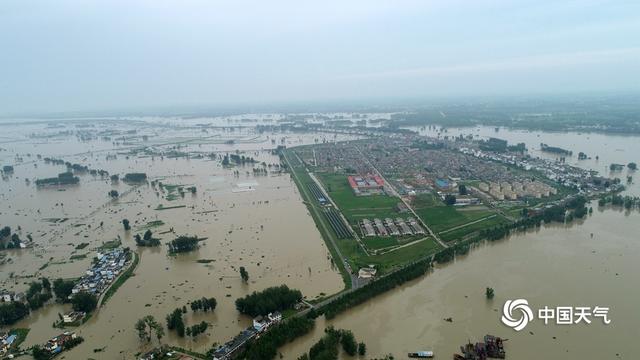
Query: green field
[[356, 208], [441, 218], [459, 233], [401, 256]]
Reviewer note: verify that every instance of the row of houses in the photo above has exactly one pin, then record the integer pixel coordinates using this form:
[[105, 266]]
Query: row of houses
[[390, 227], [98, 278], [515, 190], [259, 326], [11, 296]]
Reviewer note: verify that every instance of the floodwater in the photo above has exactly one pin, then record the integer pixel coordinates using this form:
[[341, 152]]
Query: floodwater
[[556, 265], [266, 229], [261, 223]]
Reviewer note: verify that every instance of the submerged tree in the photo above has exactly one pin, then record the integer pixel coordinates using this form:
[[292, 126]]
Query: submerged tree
[[489, 293], [244, 274], [147, 326], [125, 223]]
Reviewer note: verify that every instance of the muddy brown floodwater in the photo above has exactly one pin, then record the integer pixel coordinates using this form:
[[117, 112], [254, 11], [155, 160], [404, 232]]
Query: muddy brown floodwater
[[258, 222]]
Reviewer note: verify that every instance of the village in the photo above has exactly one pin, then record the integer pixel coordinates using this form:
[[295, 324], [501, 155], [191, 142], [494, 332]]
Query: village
[[107, 267]]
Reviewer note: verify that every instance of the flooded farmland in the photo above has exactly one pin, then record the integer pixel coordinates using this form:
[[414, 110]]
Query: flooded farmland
[[255, 221]]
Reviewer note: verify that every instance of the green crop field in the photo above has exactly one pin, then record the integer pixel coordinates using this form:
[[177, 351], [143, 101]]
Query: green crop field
[[354, 207], [400, 256], [441, 218], [460, 232]]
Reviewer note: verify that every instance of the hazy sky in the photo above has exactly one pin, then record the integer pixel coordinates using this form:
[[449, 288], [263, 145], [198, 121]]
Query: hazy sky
[[62, 55]]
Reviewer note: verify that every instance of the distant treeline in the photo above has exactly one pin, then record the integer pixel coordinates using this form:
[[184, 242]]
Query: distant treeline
[[602, 114], [65, 178], [135, 177], [628, 202]]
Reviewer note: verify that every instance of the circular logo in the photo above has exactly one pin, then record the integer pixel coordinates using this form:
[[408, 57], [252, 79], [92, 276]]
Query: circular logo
[[516, 314]]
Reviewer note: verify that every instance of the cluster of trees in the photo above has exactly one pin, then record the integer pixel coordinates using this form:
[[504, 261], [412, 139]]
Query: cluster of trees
[[197, 329], [183, 243], [241, 159], [38, 293], [260, 171], [374, 288], [489, 293], [147, 326], [84, 301], [113, 194], [176, 322], [62, 289], [327, 347], [628, 202], [204, 304], [557, 213], [266, 347], [146, 240], [277, 298], [125, 223], [11, 312], [449, 199], [8, 240], [135, 177], [244, 274], [65, 178]]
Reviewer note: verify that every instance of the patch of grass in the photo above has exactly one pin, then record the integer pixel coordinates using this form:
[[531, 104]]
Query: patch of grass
[[440, 218], [150, 225], [81, 246], [78, 257], [379, 242], [162, 207], [111, 244], [397, 258], [459, 233], [205, 261], [21, 335]]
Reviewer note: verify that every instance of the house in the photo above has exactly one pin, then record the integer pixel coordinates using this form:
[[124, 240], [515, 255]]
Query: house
[[275, 316], [259, 323], [7, 296], [367, 272], [6, 341], [73, 316]]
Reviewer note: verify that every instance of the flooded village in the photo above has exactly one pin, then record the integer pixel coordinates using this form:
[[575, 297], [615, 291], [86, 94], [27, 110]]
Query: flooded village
[[149, 215]]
